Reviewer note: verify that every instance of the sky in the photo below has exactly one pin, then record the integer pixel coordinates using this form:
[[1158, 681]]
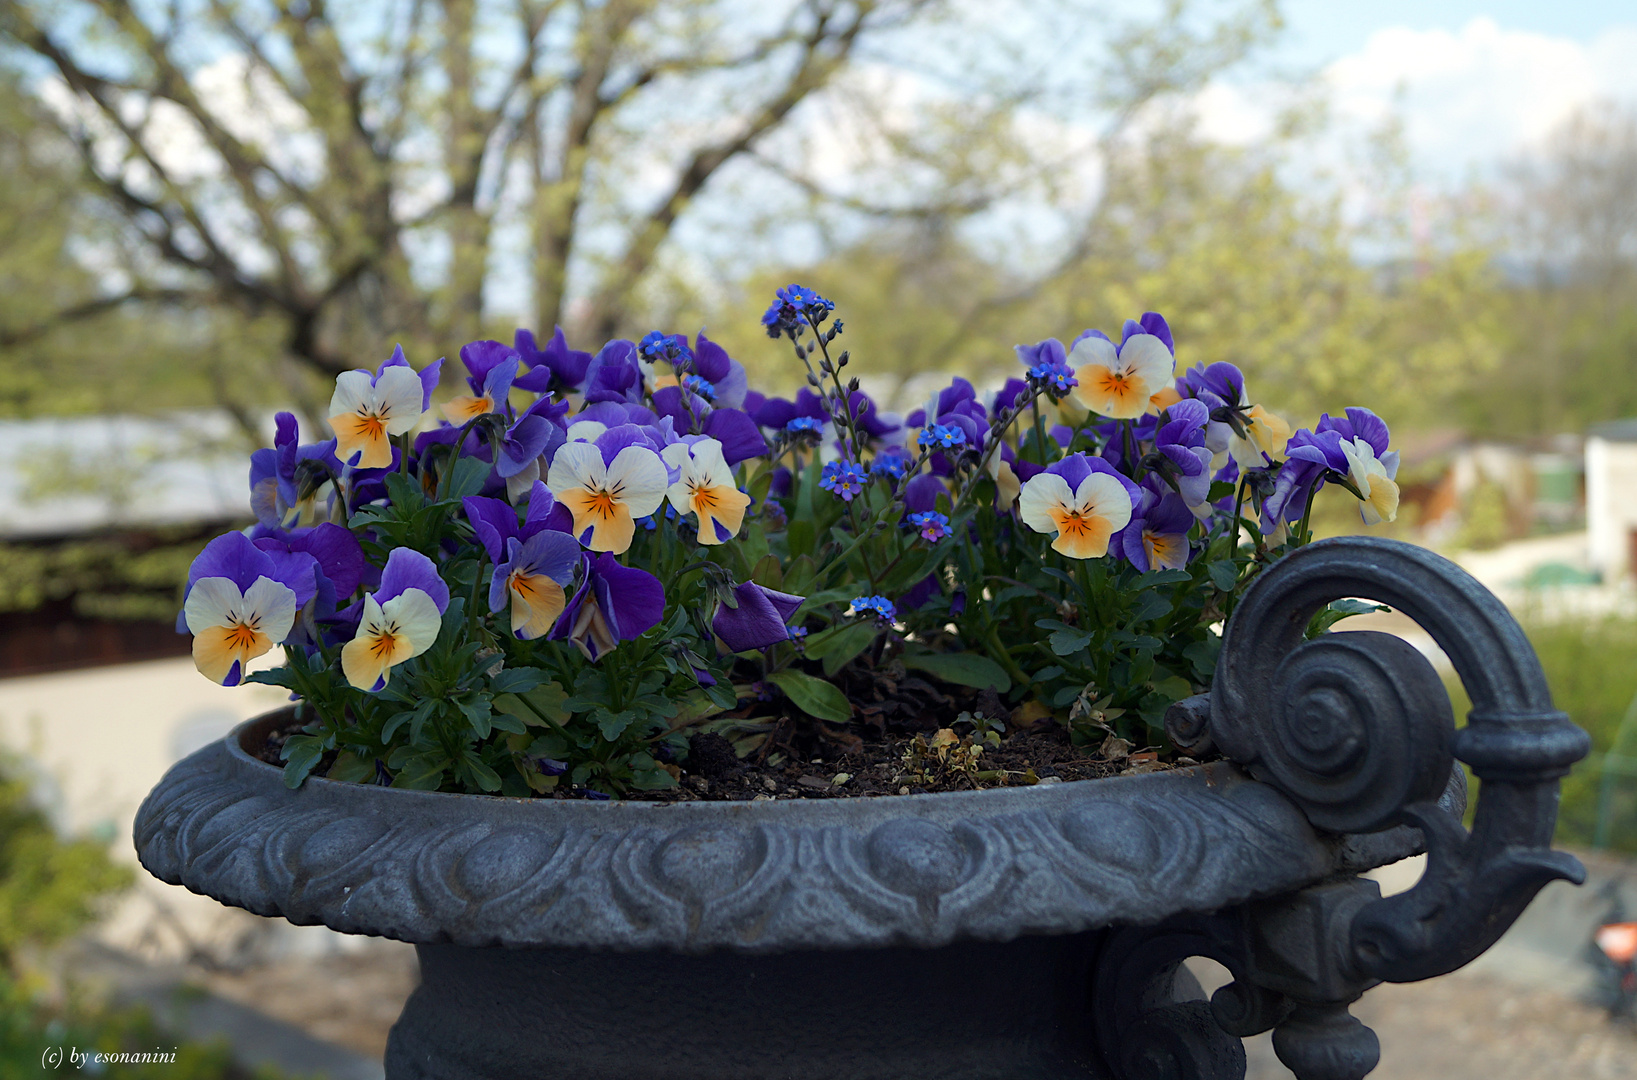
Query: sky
[[1475, 83]]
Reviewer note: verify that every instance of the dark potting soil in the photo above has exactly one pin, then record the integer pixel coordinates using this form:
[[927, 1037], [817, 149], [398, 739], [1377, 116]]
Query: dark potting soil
[[886, 764]]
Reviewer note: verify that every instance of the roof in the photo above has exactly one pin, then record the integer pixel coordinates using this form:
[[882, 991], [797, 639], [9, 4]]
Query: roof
[[66, 476], [1615, 430]]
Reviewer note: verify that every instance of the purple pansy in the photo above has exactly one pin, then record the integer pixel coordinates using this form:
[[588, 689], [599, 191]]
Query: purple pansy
[[1180, 441], [277, 497], [568, 366], [613, 604], [759, 620], [1157, 535], [614, 374]]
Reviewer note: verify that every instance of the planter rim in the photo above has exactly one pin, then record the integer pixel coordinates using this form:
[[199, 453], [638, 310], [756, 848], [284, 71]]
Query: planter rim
[[768, 876]]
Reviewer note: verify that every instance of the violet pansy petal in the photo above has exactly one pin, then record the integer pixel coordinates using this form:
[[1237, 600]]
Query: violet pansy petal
[[755, 623], [340, 557], [494, 521], [524, 442], [1073, 469], [407, 568], [738, 434], [632, 601], [921, 494], [710, 360], [233, 556], [1154, 323], [554, 554], [569, 364]]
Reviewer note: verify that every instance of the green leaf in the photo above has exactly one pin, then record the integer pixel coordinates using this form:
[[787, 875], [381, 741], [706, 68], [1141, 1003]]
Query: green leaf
[[815, 697], [396, 721], [518, 680], [508, 723], [477, 715], [1336, 611], [853, 640], [351, 768], [1149, 606], [963, 669], [404, 493], [613, 724], [1067, 641], [1224, 574], [486, 778], [279, 676], [300, 754], [423, 772], [469, 478], [1162, 577], [1220, 489], [849, 638], [800, 536], [539, 706], [722, 696], [1203, 654], [1047, 674]]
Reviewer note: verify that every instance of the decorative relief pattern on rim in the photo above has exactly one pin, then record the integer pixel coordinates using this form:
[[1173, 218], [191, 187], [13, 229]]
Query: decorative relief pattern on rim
[[918, 870]]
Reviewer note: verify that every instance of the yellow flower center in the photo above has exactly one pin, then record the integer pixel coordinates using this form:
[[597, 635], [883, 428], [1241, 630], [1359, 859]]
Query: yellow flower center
[[602, 503]]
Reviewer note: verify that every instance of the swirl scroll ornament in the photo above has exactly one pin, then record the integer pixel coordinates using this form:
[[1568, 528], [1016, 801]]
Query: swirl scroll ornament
[[1356, 729]]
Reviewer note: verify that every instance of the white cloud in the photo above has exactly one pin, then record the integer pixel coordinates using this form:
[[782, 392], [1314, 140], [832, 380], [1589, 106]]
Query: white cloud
[[1483, 93]]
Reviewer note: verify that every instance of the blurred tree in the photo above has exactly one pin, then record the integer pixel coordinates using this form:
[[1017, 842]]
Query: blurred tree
[[343, 176], [1248, 269], [1569, 216], [72, 340]]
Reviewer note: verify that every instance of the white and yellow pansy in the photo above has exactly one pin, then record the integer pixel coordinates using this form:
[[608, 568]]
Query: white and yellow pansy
[[366, 411], [706, 489], [1121, 383], [606, 496]]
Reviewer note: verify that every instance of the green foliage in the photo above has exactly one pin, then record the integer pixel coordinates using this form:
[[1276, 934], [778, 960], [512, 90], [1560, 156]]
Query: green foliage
[[29, 1029], [1591, 667], [137, 576], [49, 887]]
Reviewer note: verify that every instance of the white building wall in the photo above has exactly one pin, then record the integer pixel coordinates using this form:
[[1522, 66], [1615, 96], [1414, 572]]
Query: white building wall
[[1611, 504]]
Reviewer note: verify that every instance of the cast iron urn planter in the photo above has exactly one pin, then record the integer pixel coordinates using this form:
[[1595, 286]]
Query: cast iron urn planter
[[1012, 933]]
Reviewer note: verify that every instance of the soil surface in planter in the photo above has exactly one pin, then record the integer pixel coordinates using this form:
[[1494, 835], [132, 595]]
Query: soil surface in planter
[[892, 752]]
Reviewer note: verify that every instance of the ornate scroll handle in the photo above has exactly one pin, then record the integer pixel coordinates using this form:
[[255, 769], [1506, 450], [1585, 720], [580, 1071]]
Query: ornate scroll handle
[[1356, 729]]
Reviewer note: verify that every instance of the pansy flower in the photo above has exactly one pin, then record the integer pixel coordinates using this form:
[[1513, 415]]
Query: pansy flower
[[556, 362], [1081, 501], [240, 603], [607, 484], [367, 410], [532, 562], [1118, 382], [1180, 451], [613, 604], [339, 566], [1264, 441], [1157, 535], [293, 486], [1333, 450], [492, 368], [400, 620], [1374, 481], [706, 489], [758, 620]]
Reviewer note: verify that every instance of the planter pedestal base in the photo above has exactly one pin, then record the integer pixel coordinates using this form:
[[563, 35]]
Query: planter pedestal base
[[1012, 1011]]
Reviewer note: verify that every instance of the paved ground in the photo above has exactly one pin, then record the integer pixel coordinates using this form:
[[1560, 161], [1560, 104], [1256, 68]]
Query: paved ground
[[1481, 1027]]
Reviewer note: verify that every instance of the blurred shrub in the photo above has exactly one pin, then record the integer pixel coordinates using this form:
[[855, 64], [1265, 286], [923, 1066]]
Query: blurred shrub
[[1591, 666]]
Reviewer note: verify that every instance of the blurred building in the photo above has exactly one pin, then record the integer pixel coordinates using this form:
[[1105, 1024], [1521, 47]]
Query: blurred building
[[99, 517], [1611, 498]]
